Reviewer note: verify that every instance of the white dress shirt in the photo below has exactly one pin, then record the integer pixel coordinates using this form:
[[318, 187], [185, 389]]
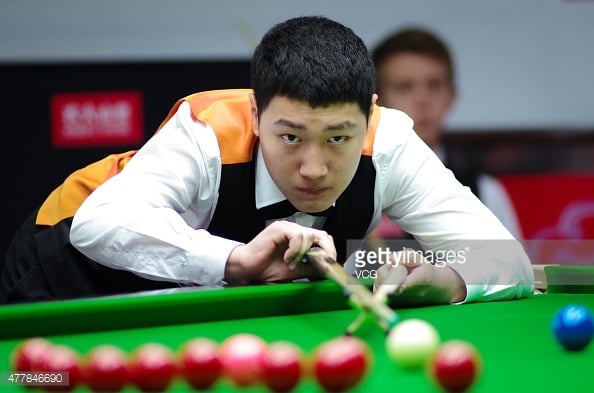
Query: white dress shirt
[[492, 193], [150, 218]]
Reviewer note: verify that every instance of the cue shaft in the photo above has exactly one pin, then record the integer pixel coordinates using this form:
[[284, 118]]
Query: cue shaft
[[392, 282], [396, 277], [358, 293]]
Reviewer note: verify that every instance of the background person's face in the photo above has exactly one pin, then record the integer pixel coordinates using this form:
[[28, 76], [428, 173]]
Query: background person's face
[[311, 153], [418, 85]]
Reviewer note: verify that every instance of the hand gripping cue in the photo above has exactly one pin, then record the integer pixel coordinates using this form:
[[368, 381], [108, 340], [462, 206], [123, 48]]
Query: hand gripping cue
[[358, 294]]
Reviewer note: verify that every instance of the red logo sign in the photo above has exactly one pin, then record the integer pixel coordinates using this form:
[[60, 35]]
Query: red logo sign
[[97, 119]]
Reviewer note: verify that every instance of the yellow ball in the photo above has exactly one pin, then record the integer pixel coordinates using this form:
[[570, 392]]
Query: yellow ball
[[411, 343]]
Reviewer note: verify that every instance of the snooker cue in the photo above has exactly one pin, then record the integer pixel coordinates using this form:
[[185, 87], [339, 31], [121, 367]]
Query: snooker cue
[[397, 275], [357, 292]]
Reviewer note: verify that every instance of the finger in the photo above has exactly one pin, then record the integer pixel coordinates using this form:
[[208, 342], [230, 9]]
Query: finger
[[319, 239], [298, 259], [391, 281], [422, 275], [382, 273], [326, 243], [304, 270], [408, 257], [299, 243]]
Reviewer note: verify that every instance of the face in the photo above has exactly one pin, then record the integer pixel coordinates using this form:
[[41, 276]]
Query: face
[[418, 85], [311, 153]]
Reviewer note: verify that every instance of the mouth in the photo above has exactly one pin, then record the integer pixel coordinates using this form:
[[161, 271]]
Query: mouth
[[313, 191]]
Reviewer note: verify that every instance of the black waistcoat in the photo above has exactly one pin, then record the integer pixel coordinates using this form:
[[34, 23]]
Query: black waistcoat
[[237, 218], [41, 264]]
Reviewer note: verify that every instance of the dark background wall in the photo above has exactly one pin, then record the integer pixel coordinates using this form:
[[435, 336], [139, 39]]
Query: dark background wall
[[32, 168]]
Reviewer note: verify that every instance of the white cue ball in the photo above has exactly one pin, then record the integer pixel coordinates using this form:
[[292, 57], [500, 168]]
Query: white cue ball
[[411, 342]]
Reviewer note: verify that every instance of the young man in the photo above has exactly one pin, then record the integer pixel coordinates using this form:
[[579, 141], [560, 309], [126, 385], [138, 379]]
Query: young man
[[202, 202], [415, 74]]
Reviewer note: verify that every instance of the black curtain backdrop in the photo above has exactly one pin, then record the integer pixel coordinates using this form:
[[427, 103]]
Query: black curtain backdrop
[[32, 168]]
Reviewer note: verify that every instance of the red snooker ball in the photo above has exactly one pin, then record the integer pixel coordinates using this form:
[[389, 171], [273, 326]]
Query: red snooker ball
[[199, 363], [106, 368], [341, 363], [152, 367], [455, 365], [282, 366], [241, 356], [29, 354], [65, 360]]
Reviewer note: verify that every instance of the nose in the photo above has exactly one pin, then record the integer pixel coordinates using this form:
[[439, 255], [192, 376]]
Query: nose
[[422, 95], [313, 163]]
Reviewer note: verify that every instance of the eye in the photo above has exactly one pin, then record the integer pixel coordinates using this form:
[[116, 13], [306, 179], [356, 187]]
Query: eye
[[437, 86], [402, 88], [338, 140], [290, 138]]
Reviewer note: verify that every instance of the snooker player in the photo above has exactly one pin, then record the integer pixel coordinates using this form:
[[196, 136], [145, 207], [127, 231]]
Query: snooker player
[[203, 201]]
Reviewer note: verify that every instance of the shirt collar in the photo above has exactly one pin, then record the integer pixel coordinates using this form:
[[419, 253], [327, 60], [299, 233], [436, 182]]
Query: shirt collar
[[267, 192]]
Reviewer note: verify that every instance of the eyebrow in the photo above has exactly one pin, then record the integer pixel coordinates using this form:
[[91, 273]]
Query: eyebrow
[[333, 127]]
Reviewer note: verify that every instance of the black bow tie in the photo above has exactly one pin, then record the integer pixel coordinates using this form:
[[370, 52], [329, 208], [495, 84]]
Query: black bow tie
[[284, 209]]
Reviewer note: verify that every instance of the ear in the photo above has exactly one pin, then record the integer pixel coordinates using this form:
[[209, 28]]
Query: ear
[[254, 112], [373, 102]]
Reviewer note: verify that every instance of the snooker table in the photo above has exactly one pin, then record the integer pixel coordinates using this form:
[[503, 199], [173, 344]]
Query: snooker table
[[514, 337]]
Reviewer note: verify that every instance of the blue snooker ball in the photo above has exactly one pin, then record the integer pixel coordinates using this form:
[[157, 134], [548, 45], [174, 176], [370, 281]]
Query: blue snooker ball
[[573, 327]]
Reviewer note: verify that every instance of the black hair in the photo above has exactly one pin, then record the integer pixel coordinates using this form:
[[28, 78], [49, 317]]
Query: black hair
[[315, 60]]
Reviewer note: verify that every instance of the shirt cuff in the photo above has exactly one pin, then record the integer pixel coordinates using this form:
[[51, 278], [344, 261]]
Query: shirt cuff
[[211, 270]]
